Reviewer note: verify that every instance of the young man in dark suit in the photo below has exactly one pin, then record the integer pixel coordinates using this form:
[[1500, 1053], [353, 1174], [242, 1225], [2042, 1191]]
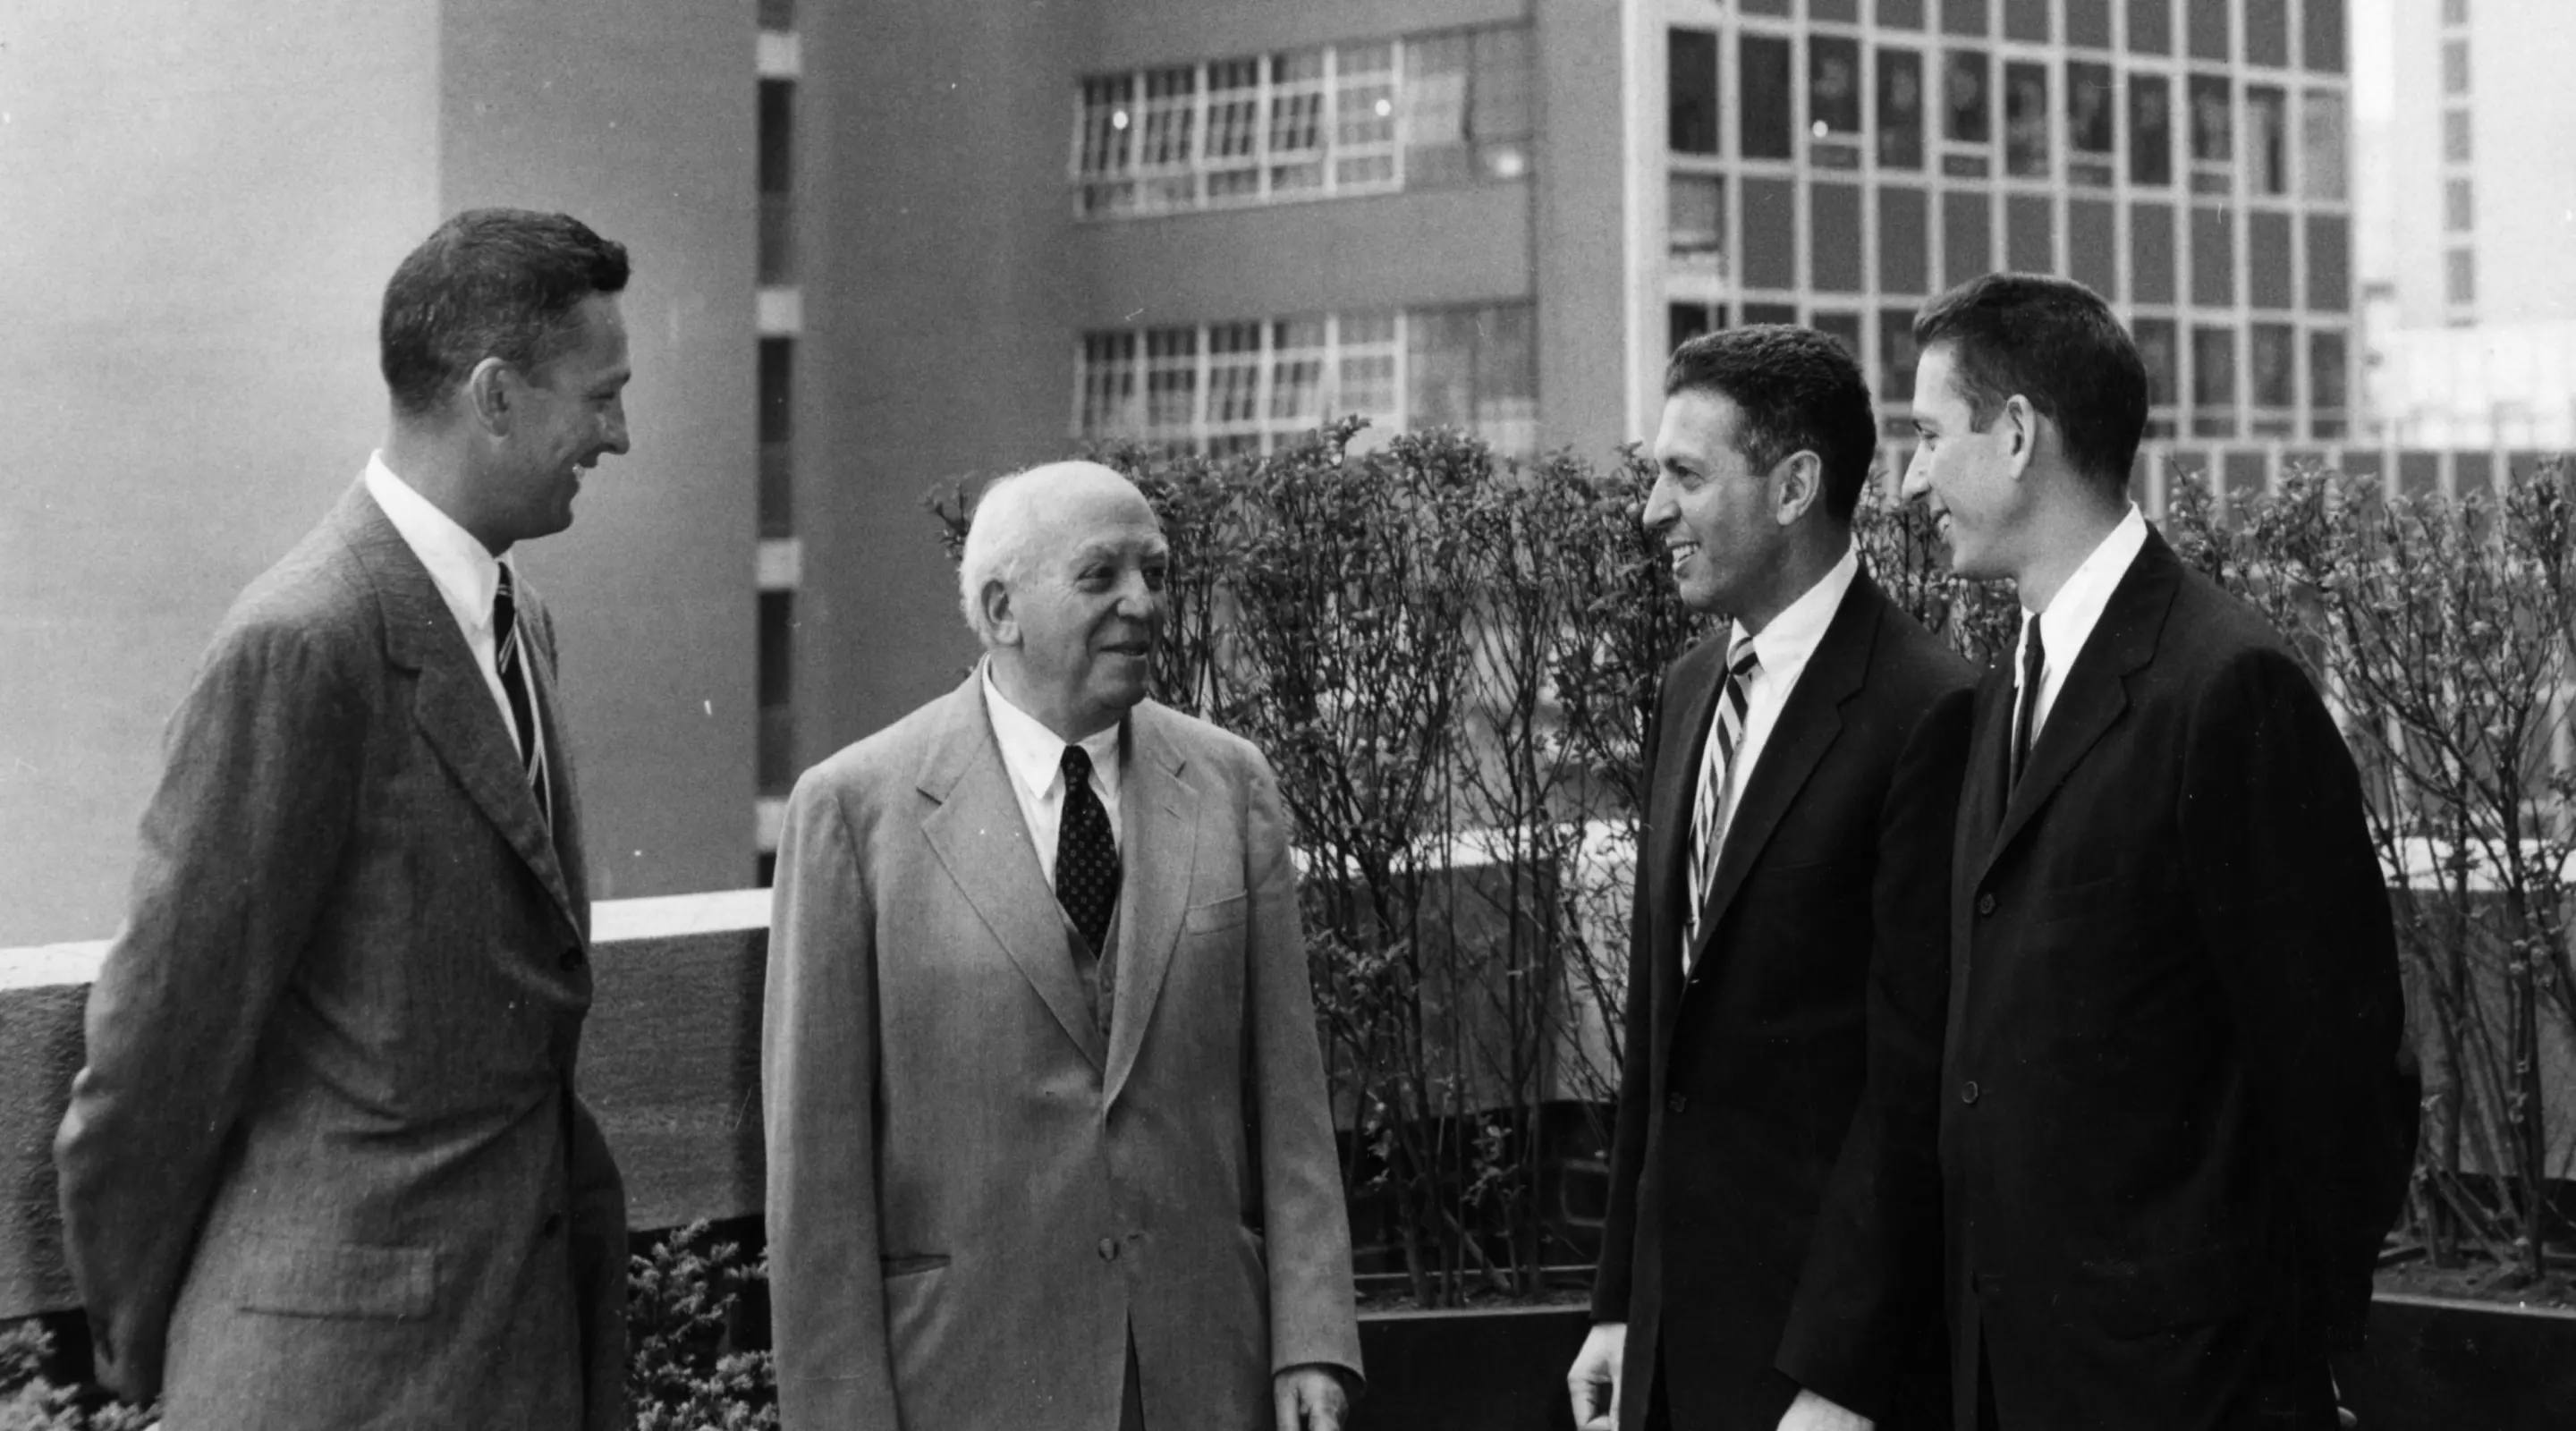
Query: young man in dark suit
[[2178, 1114], [1803, 769]]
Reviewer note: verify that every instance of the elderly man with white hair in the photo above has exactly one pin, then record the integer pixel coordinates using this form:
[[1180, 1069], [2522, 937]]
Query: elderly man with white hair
[[1048, 1139]]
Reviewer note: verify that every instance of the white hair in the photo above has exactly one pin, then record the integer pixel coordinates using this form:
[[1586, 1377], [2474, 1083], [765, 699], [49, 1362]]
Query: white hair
[[1004, 532]]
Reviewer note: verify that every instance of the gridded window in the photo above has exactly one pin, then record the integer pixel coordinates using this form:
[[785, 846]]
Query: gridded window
[[2460, 277], [2150, 130], [1695, 216], [1900, 109], [1440, 367], [1433, 109], [2326, 400], [1171, 378], [2213, 382], [1690, 115], [1167, 151], [1367, 345], [2321, 151], [1296, 121], [1763, 126], [1232, 157], [1967, 108], [2459, 214], [1364, 116], [1500, 107], [2090, 105], [1506, 391], [1833, 87], [2213, 125], [1234, 415], [1104, 162], [2026, 120], [2455, 67], [2267, 141], [2455, 136], [1105, 399], [1297, 355]]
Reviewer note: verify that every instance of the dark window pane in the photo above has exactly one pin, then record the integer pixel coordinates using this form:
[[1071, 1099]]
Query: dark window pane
[[2150, 130], [2088, 108], [2213, 382], [1967, 108], [1833, 87], [2457, 210], [1908, 14], [2151, 27], [1770, 313], [2321, 145], [1903, 241], [2027, 20], [1967, 237], [2455, 67], [1841, 12], [2267, 32], [2455, 135], [1770, 233], [2329, 263], [1687, 321], [2207, 22], [779, 15], [777, 388], [1963, 17], [1833, 216], [2460, 278], [2026, 120], [777, 639], [2213, 257], [1896, 357], [1691, 117], [1695, 218], [2323, 22], [777, 136], [1763, 127], [2455, 12], [2156, 348], [1843, 328], [2267, 141], [1767, 7], [2267, 260], [2030, 234], [2326, 383], [2088, 23], [2213, 128], [2151, 254], [1900, 109], [2275, 367], [2092, 245]]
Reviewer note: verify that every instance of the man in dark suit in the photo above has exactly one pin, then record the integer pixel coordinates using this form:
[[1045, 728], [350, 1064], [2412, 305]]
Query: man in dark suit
[[1048, 1141], [2178, 1115], [1803, 769], [325, 1167]]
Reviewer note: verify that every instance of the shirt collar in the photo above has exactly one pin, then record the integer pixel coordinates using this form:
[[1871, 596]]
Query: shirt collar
[[464, 570], [1792, 636], [1035, 754], [2077, 608]]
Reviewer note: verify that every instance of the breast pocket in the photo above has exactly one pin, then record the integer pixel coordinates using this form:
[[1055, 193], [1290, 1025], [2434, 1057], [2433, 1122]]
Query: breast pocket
[[1217, 915]]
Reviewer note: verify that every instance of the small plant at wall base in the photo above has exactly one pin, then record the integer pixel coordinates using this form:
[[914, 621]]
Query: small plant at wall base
[[684, 1372], [30, 1400]]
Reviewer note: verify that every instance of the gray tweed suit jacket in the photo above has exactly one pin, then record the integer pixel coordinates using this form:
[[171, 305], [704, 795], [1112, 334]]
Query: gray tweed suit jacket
[[325, 1167]]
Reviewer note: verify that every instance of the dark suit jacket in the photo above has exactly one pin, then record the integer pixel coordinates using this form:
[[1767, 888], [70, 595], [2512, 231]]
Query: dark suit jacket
[[324, 1167], [2179, 1115], [973, 1196], [1742, 1082]]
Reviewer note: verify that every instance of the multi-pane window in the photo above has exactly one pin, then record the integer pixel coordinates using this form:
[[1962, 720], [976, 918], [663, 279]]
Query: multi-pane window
[[1250, 386], [2150, 130], [2026, 120], [2459, 214], [1691, 93], [1414, 112], [1900, 109]]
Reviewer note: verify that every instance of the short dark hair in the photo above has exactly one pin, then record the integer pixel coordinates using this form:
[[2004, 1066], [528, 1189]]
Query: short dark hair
[[490, 283], [2055, 342], [1797, 390]]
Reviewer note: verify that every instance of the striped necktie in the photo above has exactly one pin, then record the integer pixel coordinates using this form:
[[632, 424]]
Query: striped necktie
[[1716, 767], [514, 684]]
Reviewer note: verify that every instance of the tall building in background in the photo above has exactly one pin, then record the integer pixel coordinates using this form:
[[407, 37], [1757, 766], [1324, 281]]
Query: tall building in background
[[2475, 318]]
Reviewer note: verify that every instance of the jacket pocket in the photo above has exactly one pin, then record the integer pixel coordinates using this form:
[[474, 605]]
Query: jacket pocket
[[910, 1264], [1227, 913], [327, 1279], [2136, 1297]]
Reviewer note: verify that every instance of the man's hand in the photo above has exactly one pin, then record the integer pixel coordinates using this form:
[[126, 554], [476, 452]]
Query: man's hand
[[1811, 1412], [1594, 1378], [1309, 1398]]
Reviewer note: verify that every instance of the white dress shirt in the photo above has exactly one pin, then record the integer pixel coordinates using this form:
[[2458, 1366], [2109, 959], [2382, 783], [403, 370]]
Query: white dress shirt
[[1035, 757], [466, 574], [1783, 649], [2073, 613]]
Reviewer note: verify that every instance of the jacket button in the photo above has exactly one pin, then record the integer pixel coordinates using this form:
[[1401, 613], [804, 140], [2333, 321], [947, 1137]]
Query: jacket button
[[1675, 1103], [571, 959], [552, 1225], [1969, 1092], [1986, 903], [1109, 1249]]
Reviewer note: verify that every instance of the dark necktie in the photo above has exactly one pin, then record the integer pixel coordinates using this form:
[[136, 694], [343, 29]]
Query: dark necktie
[[514, 684], [1086, 859], [2034, 666]]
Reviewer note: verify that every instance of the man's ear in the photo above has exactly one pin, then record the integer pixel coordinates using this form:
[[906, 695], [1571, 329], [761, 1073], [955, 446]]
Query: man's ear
[[1797, 483], [2021, 424], [995, 601], [492, 396]]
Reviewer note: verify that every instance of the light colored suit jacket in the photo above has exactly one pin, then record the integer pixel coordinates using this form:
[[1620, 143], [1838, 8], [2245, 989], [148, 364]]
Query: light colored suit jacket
[[972, 1196], [325, 1167]]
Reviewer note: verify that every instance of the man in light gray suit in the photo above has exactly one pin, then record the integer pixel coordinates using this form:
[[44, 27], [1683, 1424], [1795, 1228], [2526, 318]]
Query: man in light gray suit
[[1048, 1145], [325, 1167]]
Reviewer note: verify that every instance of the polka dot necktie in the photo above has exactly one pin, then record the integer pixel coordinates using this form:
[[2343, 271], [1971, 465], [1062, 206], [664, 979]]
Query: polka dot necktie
[[1086, 859]]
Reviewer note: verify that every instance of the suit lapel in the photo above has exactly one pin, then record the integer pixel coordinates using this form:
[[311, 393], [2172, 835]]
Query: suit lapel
[[453, 707], [1799, 738], [565, 817], [1158, 812], [1981, 801], [2096, 689], [976, 829]]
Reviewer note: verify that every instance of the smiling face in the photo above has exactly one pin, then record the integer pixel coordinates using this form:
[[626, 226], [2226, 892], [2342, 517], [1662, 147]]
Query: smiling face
[[1718, 517], [564, 416], [1966, 479], [1075, 627]]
